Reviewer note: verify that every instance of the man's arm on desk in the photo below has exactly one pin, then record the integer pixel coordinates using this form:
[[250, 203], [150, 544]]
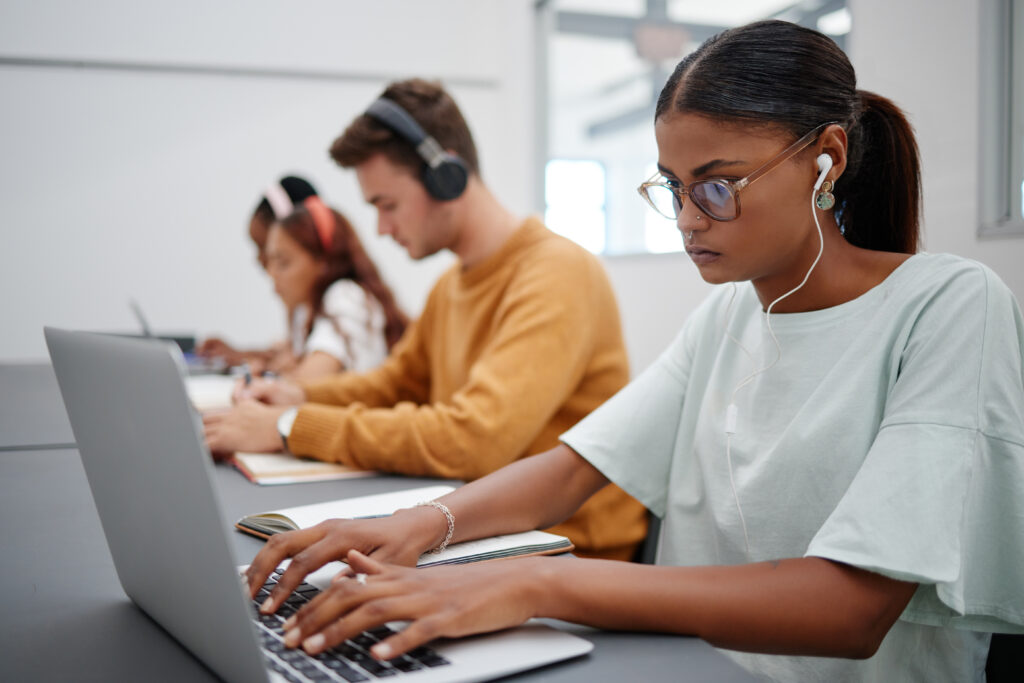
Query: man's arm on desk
[[251, 424], [403, 376], [542, 346]]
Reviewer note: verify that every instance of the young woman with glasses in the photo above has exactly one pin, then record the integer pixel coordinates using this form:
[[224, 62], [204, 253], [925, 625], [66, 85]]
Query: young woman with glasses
[[834, 441]]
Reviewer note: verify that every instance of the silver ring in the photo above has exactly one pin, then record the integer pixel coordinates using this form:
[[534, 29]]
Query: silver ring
[[361, 579]]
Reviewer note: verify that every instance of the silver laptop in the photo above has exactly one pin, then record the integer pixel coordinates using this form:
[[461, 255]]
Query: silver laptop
[[151, 478]]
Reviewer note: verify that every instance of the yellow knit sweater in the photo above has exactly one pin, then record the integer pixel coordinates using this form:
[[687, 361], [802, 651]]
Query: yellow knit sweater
[[505, 357]]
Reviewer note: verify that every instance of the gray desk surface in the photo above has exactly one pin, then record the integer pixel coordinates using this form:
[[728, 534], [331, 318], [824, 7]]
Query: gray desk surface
[[31, 409], [67, 618]]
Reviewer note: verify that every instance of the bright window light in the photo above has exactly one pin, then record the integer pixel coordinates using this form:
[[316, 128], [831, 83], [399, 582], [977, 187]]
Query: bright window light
[[835, 23], [574, 192], [661, 236]]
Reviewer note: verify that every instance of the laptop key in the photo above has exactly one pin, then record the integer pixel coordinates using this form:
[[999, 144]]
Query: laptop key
[[364, 640], [370, 664], [381, 632], [427, 657], [405, 664], [345, 671], [350, 674]]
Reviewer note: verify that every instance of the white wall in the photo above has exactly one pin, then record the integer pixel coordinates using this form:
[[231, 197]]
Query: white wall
[[134, 175]]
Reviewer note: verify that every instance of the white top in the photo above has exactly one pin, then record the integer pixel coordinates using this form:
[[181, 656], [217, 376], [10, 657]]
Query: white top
[[350, 329], [889, 436]]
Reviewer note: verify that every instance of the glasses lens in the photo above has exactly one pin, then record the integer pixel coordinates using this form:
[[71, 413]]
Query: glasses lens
[[663, 200], [715, 198]]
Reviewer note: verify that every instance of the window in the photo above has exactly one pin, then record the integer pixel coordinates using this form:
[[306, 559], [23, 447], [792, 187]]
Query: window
[[605, 64], [574, 194], [1001, 176]]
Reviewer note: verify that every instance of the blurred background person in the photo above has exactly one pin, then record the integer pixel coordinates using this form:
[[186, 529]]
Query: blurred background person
[[340, 313]]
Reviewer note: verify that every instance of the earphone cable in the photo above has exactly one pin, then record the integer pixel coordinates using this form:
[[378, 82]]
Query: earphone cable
[[731, 412]]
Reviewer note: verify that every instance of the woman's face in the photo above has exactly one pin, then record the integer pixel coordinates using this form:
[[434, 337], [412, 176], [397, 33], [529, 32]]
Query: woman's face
[[293, 269], [774, 237]]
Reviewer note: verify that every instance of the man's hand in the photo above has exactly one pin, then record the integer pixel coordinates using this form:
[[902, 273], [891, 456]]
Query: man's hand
[[276, 392], [248, 426]]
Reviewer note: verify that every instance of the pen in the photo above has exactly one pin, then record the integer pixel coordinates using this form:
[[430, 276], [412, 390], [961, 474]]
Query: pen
[[248, 374], [372, 516]]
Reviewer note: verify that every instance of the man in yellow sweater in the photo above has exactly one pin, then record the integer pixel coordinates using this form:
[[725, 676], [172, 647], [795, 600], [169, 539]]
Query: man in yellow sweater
[[516, 343]]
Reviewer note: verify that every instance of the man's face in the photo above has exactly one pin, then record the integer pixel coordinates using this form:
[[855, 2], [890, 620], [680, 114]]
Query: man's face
[[405, 212]]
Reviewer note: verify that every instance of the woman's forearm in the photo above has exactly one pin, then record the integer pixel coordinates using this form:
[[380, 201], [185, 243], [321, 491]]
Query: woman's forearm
[[808, 606], [536, 492]]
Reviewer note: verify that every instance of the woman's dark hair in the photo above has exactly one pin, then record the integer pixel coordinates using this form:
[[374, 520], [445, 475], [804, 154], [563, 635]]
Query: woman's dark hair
[[263, 216], [297, 190], [345, 258], [776, 73]]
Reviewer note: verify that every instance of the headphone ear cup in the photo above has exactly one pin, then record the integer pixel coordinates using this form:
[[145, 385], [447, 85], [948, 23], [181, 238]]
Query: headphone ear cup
[[447, 180]]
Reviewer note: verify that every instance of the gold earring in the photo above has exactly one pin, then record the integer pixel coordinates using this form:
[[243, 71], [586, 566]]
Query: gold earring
[[825, 200]]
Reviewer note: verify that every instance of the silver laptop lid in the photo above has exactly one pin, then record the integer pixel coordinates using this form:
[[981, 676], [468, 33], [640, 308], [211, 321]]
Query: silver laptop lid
[[151, 478], [150, 474]]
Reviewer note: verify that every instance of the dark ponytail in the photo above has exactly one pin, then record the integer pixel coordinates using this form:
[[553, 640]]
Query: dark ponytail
[[774, 73], [881, 193]]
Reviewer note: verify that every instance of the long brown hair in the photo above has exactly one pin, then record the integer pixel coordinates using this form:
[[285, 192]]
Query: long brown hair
[[777, 73], [345, 258]]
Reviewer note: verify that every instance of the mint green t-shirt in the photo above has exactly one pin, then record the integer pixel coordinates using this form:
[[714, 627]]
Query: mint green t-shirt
[[888, 434]]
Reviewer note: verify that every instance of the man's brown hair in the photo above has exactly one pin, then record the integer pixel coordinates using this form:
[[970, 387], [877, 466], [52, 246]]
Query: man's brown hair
[[431, 107]]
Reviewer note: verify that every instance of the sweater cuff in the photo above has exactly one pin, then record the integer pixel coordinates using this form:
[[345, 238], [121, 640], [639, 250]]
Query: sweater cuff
[[315, 433]]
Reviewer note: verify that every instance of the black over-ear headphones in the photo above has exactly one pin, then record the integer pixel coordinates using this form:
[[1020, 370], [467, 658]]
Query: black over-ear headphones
[[444, 174]]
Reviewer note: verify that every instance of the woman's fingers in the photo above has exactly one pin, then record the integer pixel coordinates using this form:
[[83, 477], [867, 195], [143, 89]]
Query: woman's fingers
[[441, 601], [332, 611], [302, 547], [419, 632], [362, 563], [309, 549]]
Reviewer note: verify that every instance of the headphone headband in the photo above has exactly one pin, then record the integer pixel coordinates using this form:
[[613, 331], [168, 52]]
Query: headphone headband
[[397, 119], [323, 220], [280, 203], [444, 174]]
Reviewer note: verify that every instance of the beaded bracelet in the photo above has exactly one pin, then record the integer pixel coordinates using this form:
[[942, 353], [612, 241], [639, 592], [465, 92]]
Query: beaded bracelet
[[448, 518]]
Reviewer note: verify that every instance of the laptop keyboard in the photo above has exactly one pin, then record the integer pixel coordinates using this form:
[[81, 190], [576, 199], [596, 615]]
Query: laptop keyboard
[[349, 661]]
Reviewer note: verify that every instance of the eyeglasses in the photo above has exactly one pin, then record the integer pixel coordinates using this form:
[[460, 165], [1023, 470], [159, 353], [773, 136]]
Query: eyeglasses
[[718, 198]]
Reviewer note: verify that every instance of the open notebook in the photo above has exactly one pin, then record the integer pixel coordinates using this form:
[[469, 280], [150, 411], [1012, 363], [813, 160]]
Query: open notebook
[[151, 478], [265, 524], [213, 392]]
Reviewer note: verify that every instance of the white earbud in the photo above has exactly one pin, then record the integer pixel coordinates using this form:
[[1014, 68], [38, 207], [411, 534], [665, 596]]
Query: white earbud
[[824, 165]]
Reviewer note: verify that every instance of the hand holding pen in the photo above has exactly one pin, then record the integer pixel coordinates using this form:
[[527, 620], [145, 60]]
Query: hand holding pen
[[268, 390]]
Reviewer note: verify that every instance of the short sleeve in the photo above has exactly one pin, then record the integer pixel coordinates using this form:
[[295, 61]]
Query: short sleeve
[[939, 499], [351, 327], [631, 437]]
